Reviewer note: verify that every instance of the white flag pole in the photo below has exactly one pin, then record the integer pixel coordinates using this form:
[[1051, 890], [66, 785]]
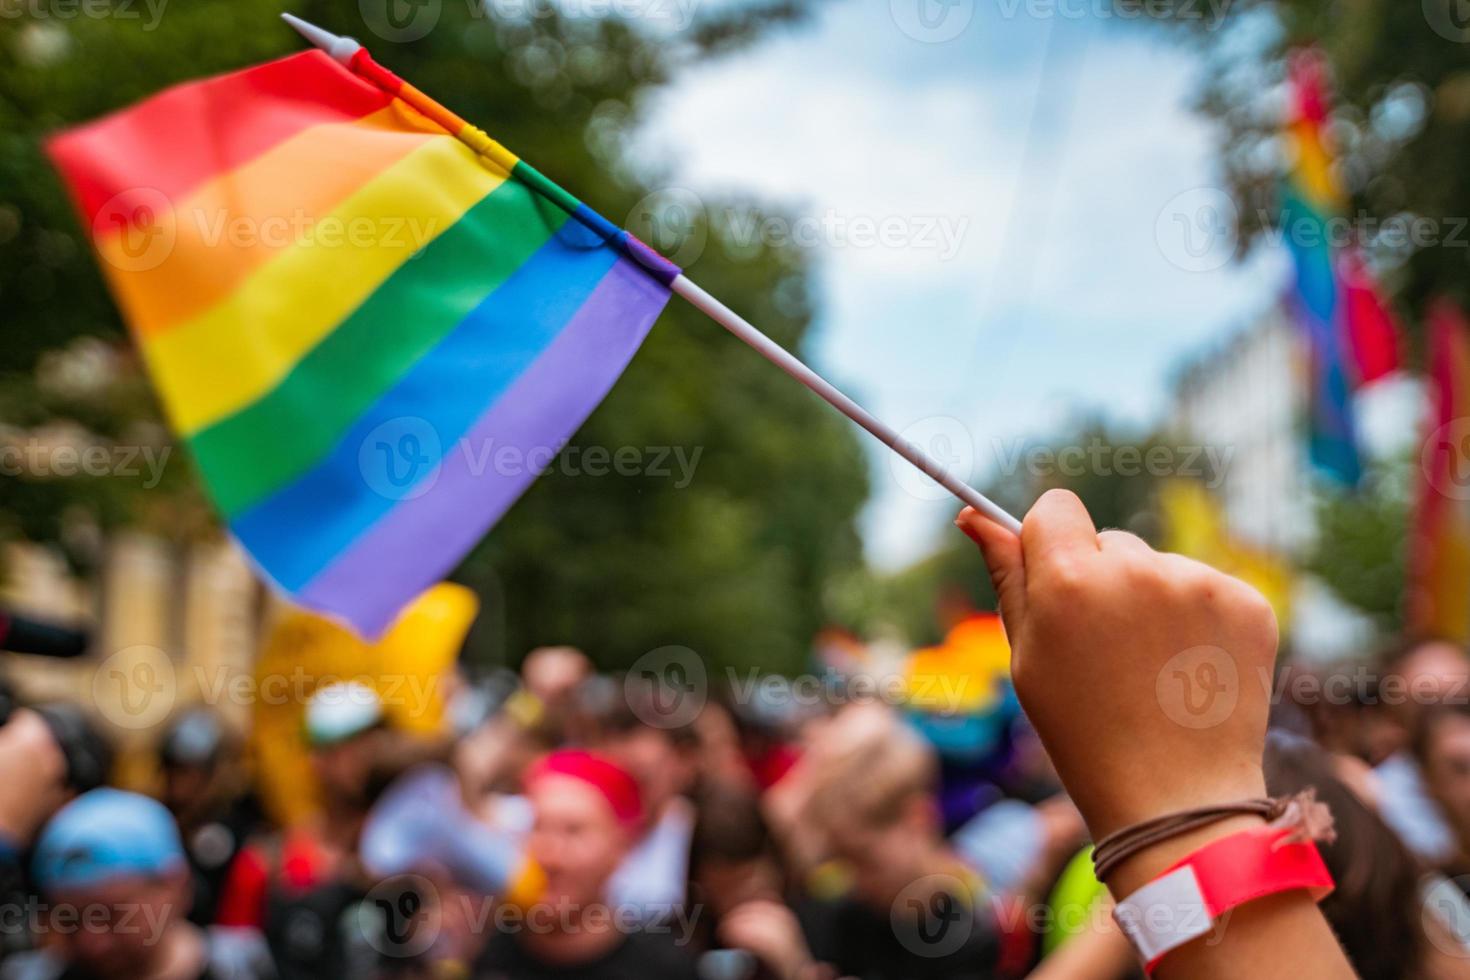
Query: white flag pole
[[788, 362], [343, 48]]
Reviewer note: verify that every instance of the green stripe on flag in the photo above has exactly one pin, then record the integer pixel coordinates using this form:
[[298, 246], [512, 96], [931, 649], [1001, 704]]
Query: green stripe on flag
[[249, 455]]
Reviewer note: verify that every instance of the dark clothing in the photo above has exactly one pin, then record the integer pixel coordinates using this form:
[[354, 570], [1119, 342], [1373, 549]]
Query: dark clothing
[[640, 956], [944, 939], [211, 847]]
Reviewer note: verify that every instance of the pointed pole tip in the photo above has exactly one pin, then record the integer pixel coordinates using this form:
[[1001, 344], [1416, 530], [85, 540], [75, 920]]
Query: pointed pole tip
[[340, 48]]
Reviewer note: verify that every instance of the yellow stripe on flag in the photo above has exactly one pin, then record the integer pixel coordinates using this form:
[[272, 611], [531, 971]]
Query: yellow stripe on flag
[[222, 361]]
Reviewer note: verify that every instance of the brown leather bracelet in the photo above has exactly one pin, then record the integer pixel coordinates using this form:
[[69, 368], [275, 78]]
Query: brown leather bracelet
[[1120, 845]]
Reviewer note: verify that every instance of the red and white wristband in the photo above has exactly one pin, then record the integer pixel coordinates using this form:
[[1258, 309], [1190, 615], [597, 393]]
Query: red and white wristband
[[1183, 903]]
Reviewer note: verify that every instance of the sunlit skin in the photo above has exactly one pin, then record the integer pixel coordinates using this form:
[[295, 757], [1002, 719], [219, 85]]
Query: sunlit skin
[[128, 928]]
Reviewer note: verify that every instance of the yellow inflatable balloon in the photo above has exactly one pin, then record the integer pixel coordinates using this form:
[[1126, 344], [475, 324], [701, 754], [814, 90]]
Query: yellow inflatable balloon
[[410, 668]]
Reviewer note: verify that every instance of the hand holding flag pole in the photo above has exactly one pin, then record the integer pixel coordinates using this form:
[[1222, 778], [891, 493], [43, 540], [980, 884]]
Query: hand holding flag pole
[[352, 55]]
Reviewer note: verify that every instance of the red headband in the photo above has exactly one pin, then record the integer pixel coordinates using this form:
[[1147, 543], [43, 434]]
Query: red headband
[[612, 781]]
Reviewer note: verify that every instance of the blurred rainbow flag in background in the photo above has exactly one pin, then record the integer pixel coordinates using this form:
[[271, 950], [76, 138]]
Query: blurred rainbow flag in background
[[1351, 336], [1438, 594], [351, 315]]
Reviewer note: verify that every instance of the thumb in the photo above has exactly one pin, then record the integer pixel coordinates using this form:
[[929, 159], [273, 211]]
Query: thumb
[[1002, 551]]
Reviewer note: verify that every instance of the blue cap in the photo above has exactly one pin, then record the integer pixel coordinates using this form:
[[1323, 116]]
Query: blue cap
[[104, 835]]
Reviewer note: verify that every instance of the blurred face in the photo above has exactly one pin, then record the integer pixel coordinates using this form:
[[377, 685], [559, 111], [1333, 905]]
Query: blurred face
[[551, 673], [885, 859], [186, 788], [342, 768], [663, 771], [576, 840], [1431, 673], [1447, 770], [116, 928]]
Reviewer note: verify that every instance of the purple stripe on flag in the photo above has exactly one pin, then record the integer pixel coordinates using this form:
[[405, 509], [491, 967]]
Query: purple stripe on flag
[[423, 537]]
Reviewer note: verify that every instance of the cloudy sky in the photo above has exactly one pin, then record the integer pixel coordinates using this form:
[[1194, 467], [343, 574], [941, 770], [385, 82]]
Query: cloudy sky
[[1013, 210]]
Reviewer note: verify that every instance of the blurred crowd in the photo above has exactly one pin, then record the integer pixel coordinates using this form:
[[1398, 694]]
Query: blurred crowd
[[574, 824]]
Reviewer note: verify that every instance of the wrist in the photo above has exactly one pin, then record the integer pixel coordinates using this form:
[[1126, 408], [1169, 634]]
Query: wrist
[[1143, 867], [1218, 789]]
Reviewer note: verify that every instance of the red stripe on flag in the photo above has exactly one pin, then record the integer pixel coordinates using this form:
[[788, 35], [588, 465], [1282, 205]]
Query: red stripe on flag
[[160, 144], [1372, 331]]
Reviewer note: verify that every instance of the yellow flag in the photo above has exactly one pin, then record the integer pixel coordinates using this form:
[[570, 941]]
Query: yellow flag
[[1195, 527]]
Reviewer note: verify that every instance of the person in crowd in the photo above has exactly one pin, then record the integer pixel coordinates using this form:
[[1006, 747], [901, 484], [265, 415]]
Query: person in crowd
[[664, 760], [33, 785], [299, 887], [1422, 674], [1441, 751], [738, 887], [557, 678], [588, 812], [115, 881], [914, 908], [1389, 916], [203, 787]]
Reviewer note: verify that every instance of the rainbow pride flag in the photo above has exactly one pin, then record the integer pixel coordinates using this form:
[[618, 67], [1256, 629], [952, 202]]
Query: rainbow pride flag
[[372, 325], [1351, 335], [1438, 594]]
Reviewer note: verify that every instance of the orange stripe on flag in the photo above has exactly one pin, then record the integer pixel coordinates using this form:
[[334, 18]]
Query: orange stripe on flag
[[193, 253]]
